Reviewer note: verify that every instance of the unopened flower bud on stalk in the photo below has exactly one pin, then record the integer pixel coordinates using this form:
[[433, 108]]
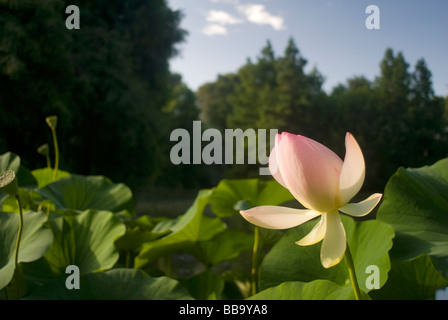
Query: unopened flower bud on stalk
[[52, 121], [8, 183], [44, 150]]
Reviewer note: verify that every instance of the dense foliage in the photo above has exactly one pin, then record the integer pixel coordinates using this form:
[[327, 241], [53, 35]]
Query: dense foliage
[[108, 83], [89, 224]]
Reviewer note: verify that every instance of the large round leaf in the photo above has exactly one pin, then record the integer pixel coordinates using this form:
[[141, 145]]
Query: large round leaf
[[254, 192], [369, 242], [9, 161], [36, 240], [226, 245], [80, 193], [416, 279], [85, 240], [116, 284], [191, 228], [45, 176], [205, 286], [416, 204], [314, 290]]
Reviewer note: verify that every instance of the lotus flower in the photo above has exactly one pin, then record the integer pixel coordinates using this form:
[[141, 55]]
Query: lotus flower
[[323, 184]]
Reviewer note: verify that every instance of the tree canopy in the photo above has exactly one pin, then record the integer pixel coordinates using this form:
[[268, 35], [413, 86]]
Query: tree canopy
[[117, 102], [108, 82], [396, 117]]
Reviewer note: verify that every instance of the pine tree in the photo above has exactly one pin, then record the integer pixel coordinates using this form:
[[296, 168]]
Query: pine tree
[[425, 116], [294, 91]]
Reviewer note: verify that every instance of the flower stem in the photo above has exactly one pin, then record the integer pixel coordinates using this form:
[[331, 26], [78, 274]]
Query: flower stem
[[56, 153], [352, 273], [254, 270], [19, 234], [48, 162]]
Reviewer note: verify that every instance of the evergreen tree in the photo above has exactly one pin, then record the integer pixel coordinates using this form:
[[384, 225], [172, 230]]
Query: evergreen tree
[[425, 117], [213, 99], [392, 94], [254, 94], [293, 91]]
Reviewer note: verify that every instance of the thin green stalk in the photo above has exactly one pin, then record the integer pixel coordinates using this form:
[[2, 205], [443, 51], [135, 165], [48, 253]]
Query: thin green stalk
[[48, 162], [56, 153], [352, 274], [255, 251], [19, 234]]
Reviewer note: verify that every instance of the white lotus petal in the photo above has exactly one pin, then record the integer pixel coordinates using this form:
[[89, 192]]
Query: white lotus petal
[[353, 170], [275, 217], [315, 235], [362, 208], [334, 244]]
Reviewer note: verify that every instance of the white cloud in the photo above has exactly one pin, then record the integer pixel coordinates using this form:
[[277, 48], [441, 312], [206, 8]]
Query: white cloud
[[222, 17], [213, 29], [256, 13]]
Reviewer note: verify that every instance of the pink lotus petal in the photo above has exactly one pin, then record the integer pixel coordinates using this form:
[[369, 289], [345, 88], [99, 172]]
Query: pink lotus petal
[[310, 171], [273, 163]]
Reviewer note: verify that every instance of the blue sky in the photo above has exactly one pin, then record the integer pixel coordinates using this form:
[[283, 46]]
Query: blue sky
[[330, 34]]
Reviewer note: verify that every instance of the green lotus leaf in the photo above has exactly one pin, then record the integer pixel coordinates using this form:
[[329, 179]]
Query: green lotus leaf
[[11, 161], [85, 240], [416, 204], [190, 228], [44, 176], [415, 279], [205, 286], [226, 245], [229, 195], [369, 242], [80, 193], [314, 290], [35, 241], [115, 284]]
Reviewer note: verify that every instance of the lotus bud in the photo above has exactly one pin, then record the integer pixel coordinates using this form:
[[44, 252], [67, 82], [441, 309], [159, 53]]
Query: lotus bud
[[52, 121], [8, 183]]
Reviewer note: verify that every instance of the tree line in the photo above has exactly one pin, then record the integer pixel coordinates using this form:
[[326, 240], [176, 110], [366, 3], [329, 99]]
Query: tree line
[[117, 101], [396, 117]]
